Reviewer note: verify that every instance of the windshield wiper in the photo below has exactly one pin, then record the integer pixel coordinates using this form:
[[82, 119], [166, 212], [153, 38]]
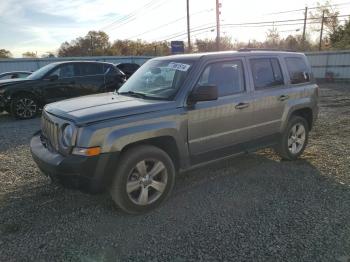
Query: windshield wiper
[[134, 94]]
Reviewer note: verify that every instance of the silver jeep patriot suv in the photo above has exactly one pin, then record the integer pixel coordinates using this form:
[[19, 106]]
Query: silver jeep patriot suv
[[176, 113]]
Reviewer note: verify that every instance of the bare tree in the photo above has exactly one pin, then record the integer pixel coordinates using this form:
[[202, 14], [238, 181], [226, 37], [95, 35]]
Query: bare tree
[[331, 21]]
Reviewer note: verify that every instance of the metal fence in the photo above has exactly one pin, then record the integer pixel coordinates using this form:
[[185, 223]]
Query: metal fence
[[32, 64], [334, 65]]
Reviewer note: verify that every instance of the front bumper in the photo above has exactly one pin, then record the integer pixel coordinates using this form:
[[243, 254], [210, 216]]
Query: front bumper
[[88, 174]]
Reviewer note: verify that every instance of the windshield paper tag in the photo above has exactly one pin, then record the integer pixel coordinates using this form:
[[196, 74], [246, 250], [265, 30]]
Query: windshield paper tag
[[179, 66]]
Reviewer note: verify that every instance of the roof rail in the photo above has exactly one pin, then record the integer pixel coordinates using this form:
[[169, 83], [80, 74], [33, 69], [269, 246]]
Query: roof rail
[[263, 49]]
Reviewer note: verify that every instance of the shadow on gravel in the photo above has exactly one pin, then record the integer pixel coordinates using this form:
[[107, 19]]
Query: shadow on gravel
[[247, 208], [14, 133]]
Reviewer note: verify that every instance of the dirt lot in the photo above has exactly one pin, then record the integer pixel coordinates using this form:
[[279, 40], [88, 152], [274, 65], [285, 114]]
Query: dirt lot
[[251, 208]]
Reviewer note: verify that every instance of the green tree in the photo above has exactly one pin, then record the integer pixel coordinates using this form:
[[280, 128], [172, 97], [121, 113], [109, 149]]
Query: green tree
[[29, 54], [5, 53], [340, 38], [295, 43]]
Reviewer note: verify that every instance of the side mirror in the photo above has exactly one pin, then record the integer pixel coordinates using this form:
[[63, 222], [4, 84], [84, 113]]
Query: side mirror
[[203, 93], [52, 77]]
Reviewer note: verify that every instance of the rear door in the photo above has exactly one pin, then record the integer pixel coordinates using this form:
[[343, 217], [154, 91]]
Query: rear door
[[89, 79], [217, 126], [270, 94]]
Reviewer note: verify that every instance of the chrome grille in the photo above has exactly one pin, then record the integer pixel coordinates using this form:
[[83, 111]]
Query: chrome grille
[[50, 130]]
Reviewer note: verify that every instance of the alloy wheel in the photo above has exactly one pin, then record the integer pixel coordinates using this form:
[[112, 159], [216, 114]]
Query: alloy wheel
[[296, 138], [146, 182], [25, 107]]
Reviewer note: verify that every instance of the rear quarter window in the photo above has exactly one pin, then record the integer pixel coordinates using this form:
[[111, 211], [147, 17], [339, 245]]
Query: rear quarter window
[[298, 70]]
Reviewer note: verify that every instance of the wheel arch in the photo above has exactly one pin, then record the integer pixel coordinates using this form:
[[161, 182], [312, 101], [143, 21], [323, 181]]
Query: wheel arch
[[168, 136], [18, 93], [305, 113], [166, 143], [302, 110]]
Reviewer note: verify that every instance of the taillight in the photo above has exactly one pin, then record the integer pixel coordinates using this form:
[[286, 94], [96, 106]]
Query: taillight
[[317, 91]]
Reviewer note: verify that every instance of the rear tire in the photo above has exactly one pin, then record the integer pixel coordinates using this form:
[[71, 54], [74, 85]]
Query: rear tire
[[24, 107], [143, 180], [294, 138]]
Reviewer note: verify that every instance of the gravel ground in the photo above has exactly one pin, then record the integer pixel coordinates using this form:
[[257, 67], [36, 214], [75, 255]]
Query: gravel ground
[[251, 208]]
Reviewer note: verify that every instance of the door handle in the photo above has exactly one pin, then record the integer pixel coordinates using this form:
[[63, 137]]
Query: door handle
[[242, 105], [283, 97]]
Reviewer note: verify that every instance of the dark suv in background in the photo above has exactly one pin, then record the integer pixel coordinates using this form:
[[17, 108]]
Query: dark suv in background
[[23, 98], [128, 68]]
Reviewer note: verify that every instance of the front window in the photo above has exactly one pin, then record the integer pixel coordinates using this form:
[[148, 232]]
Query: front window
[[40, 73], [157, 79], [228, 76]]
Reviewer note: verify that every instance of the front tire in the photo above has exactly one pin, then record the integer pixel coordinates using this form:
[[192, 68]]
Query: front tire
[[144, 179], [24, 107], [294, 139]]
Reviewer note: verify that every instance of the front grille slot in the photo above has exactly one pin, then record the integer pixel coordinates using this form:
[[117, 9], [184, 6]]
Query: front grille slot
[[50, 130]]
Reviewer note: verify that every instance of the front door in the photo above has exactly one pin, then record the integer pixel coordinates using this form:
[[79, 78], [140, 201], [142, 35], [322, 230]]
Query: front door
[[216, 127], [56, 89]]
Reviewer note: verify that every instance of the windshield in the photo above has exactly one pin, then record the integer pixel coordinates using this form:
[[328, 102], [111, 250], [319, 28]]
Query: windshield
[[157, 79], [38, 74]]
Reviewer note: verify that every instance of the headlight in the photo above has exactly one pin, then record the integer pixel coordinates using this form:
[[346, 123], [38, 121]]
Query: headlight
[[68, 135]]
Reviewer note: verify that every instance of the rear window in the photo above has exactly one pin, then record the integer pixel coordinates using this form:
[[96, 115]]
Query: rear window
[[86, 69], [298, 70], [266, 72]]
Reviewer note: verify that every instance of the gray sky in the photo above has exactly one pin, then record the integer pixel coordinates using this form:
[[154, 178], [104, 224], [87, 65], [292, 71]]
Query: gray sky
[[42, 25]]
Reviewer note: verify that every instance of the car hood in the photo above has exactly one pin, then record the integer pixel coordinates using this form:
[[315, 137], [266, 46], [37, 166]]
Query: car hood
[[93, 108], [8, 82]]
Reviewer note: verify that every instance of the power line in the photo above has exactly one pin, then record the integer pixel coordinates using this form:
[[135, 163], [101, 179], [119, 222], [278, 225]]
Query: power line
[[170, 23], [132, 15], [315, 7], [282, 21], [200, 33], [135, 17], [171, 36], [279, 23], [127, 16], [192, 31]]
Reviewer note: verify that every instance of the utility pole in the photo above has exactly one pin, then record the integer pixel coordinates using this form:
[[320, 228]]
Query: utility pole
[[218, 5], [188, 26], [304, 28], [321, 32], [91, 46]]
